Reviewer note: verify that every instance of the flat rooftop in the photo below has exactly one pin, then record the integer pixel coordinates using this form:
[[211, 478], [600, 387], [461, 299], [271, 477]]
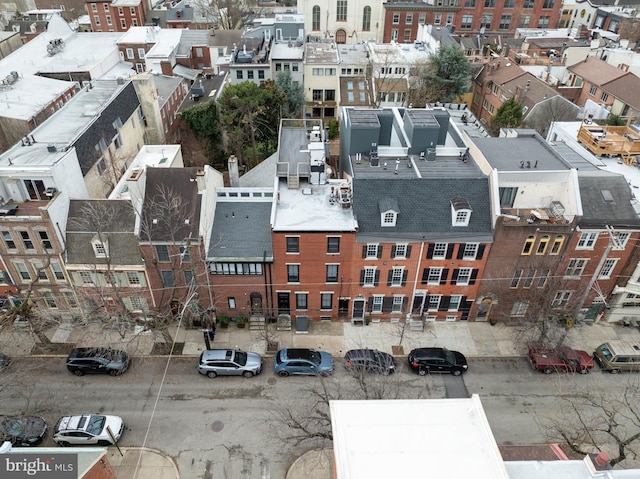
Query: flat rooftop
[[62, 127], [27, 96], [320, 53], [311, 208], [412, 166], [448, 438], [355, 54], [81, 52], [511, 154]]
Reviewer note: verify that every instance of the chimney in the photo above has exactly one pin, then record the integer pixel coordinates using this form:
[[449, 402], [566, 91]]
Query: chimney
[[166, 68], [232, 166], [518, 93], [597, 462]]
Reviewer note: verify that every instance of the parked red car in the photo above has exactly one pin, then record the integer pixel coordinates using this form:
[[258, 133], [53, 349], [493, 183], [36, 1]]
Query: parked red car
[[561, 359]]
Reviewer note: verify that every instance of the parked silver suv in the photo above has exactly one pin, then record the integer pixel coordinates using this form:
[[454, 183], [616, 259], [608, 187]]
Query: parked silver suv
[[229, 362]]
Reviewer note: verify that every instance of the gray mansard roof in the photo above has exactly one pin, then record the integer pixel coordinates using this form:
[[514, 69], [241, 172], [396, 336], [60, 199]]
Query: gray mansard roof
[[424, 206]]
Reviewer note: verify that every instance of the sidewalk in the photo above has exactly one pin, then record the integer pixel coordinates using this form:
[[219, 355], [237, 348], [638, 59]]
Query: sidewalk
[[141, 463], [474, 339]]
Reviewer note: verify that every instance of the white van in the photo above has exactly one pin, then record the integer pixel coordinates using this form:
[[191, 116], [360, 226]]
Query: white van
[[616, 356]]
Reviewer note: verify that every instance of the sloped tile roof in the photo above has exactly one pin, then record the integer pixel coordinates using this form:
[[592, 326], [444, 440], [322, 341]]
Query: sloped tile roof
[[606, 200], [626, 88], [424, 205], [171, 209], [114, 220], [596, 71], [241, 232], [123, 105]]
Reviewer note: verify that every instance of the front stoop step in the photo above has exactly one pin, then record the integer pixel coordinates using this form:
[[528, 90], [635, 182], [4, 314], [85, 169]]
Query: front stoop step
[[257, 323], [416, 325]]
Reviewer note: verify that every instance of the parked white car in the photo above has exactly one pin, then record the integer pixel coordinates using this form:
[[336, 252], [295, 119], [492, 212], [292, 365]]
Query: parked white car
[[88, 429]]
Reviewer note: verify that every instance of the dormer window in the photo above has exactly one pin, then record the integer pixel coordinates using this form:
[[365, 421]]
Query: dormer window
[[388, 212], [100, 248], [460, 212]]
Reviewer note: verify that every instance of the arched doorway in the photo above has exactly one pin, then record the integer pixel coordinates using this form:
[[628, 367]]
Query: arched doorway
[[341, 36], [484, 308]]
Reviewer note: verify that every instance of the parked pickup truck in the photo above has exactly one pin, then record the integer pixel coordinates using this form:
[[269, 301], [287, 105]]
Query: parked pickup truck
[[563, 359]]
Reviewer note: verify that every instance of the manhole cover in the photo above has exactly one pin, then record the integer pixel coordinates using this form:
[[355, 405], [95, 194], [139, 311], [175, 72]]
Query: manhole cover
[[271, 381], [217, 426]]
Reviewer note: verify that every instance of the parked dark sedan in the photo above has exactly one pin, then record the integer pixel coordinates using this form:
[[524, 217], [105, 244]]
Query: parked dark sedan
[[23, 430], [370, 360], [437, 360], [98, 360]]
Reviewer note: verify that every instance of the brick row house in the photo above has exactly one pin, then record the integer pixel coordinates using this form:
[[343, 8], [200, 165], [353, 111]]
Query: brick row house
[[424, 225], [401, 19], [116, 15], [103, 258]]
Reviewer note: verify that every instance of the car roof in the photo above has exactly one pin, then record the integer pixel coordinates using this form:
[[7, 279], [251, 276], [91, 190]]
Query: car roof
[[360, 354], [298, 353], [429, 352], [92, 352], [217, 354]]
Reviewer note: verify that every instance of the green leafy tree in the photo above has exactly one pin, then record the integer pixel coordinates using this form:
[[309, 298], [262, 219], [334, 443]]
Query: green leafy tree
[[250, 115], [203, 121], [295, 95], [447, 74], [509, 115]]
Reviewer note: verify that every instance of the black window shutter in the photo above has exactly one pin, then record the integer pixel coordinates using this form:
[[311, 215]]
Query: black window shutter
[[454, 276], [405, 301], [465, 306], [390, 277], [425, 276], [393, 251], [387, 304], [430, 247], [474, 275], [408, 251], [480, 251], [364, 251], [450, 250], [404, 277], [377, 280], [444, 303], [443, 276], [370, 303], [361, 277], [379, 251], [461, 250]]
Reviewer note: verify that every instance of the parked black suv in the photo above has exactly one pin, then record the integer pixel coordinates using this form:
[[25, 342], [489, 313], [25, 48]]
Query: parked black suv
[[370, 360], [437, 360], [97, 360]]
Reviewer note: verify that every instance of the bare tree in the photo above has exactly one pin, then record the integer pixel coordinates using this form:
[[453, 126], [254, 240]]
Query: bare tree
[[226, 14], [591, 421], [24, 307], [526, 298], [308, 422], [546, 112]]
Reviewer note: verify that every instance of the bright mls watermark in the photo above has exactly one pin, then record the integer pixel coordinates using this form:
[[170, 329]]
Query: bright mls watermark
[[49, 466]]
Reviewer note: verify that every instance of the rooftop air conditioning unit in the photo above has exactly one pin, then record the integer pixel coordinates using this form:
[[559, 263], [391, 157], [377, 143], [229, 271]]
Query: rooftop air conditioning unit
[[50, 191]]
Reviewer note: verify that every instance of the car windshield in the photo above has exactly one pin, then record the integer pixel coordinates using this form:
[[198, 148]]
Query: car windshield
[[314, 357], [604, 350], [378, 357], [241, 358], [96, 424], [451, 358]]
